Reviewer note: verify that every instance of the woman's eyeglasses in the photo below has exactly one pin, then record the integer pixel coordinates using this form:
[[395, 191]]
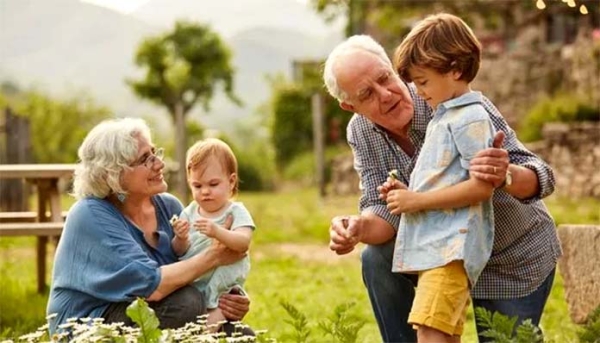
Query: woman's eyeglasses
[[149, 161]]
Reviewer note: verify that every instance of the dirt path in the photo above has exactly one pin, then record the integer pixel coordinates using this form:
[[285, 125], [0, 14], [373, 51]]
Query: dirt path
[[305, 252]]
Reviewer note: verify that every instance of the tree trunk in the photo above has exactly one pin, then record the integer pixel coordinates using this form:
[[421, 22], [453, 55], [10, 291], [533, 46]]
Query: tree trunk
[[180, 152]]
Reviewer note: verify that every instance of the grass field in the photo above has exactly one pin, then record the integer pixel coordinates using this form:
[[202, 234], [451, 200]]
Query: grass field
[[290, 262]]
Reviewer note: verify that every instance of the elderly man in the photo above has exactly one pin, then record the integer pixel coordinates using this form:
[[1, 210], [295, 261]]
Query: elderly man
[[386, 133]]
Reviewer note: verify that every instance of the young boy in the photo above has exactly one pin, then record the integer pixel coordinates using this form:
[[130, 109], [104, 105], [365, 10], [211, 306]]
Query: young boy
[[212, 173], [444, 236]]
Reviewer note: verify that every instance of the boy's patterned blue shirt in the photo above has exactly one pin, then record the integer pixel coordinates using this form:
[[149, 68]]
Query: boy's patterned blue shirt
[[459, 129], [526, 246]]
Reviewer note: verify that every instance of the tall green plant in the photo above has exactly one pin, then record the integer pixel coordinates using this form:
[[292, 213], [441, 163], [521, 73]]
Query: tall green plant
[[342, 326], [298, 321]]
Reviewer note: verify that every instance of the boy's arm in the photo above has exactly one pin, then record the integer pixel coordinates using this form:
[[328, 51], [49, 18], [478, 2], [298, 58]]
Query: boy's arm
[[462, 194], [238, 239]]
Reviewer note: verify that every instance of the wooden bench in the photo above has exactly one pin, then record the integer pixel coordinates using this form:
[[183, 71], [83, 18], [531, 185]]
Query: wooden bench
[[23, 216], [42, 231]]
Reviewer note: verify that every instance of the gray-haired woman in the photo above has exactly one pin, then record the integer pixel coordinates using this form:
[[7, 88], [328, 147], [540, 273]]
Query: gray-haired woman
[[116, 243]]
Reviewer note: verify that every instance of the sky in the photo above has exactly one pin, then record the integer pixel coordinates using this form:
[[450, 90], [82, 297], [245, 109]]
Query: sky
[[128, 6], [123, 6]]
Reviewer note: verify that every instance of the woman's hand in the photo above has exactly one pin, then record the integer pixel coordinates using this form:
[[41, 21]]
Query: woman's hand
[[222, 255]]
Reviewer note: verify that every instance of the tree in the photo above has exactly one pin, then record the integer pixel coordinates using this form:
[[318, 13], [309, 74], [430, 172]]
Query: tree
[[182, 69]]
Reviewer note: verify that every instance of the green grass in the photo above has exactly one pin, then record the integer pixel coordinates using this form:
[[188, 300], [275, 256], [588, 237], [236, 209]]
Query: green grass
[[290, 262]]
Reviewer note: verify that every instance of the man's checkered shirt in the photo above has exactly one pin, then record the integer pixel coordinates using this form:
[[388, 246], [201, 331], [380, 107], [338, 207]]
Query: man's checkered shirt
[[526, 246]]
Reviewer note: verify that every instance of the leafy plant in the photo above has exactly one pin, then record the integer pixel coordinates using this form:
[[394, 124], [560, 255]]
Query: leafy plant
[[590, 333], [146, 319], [298, 322], [342, 326], [501, 328]]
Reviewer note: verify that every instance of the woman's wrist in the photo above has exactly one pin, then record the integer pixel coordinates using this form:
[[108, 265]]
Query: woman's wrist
[[211, 257]]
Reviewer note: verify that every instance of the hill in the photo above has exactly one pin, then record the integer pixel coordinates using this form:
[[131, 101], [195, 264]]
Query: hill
[[60, 46]]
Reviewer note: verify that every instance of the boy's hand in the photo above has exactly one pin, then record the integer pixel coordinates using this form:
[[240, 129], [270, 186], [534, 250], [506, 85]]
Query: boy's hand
[[390, 184], [207, 227], [402, 200], [181, 228]]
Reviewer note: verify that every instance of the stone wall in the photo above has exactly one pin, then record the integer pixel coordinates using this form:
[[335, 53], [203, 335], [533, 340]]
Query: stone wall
[[516, 80], [573, 151]]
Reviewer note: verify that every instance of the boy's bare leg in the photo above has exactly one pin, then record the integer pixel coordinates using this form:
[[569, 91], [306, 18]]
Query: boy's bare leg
[[215, 319], [426, 334], [455, 339]]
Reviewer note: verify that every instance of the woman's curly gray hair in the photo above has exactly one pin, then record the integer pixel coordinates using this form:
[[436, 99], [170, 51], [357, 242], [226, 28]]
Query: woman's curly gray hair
[[107, 150]]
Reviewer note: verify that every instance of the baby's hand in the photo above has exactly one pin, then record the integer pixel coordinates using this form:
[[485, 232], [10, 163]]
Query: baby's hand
[[207, 227], [181, 228]]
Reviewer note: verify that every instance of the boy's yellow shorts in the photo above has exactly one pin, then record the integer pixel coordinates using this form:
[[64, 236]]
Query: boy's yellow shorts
[[442, 298]]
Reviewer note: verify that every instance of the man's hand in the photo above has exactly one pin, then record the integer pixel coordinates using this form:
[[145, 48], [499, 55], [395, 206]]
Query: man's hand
[[344, 233], [234, 306], [491, 164]]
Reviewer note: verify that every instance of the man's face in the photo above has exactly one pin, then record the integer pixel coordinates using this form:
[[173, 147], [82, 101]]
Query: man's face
[[374, 91]]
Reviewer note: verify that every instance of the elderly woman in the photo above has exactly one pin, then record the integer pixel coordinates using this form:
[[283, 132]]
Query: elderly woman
[[116, 244]]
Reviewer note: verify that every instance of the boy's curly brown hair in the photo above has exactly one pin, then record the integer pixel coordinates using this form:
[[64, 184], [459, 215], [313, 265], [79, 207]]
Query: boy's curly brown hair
[[442, 42]]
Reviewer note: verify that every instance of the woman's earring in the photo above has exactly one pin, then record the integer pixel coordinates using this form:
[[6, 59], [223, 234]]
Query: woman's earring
[[121, 197]]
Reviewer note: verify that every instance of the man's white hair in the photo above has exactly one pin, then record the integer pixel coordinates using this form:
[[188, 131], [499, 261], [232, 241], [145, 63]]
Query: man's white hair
[[350, 45]]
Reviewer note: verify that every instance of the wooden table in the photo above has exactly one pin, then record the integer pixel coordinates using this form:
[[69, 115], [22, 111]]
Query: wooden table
[[45, 177]]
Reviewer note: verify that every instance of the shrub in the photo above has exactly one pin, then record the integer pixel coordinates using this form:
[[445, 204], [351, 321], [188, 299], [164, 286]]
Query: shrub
[[563, 108], [302, 168], [590, 333]]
